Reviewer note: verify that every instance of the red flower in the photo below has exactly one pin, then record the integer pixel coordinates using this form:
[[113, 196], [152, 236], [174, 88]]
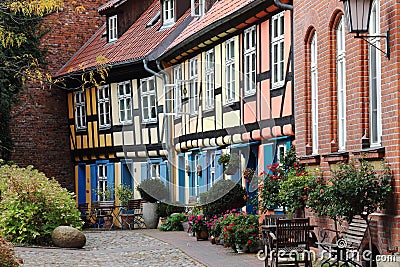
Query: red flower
[[304, 198], [249, 241]]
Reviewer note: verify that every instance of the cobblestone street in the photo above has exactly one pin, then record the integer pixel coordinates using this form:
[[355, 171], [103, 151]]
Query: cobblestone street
[[110, 248]]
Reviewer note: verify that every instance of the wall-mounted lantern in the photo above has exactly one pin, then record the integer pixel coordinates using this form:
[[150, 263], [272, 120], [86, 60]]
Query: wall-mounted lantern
[[358, 13]]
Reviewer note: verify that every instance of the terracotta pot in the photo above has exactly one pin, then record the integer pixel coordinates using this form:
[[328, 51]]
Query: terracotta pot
[[202, 235]]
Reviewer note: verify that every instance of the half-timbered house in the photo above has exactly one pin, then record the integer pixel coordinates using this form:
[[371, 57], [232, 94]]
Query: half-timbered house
[[231, 78], [117, 129]]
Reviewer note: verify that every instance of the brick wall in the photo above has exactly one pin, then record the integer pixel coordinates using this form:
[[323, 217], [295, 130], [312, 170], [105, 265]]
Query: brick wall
[[321, 16], [39, 126]]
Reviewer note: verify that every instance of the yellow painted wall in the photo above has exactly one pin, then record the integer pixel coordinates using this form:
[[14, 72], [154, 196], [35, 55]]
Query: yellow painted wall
[[70, 106], [108, 140], [94, 101], [114, 104], [218, 77], [135, 99], [88, 101], [95, 134], [90, 134], [218, 111], [231, 119], [136, 120], [102, 140]]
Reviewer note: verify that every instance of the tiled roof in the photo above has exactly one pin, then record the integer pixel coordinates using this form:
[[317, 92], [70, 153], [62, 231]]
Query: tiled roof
[[107, 5], [136, 43], [219, 10]]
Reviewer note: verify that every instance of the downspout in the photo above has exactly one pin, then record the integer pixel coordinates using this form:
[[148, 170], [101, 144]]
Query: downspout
[[167, 125], [169, 128], [283, 6]]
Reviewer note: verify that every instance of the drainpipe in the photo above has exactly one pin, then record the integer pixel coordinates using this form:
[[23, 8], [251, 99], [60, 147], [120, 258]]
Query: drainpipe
[[281, 5], [167, 120]]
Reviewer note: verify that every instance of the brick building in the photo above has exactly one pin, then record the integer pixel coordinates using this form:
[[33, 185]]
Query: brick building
[[39, 125], [347, 97]]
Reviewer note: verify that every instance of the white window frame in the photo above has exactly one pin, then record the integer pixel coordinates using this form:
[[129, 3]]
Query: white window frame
[[278, 50], [112, 28], [193, 86], [154, 170], [104, 107], [314, 93], [146, 97], [199, 9], [125, 102], [230, 70], [178, 90], [210, 79], [101, 180], [250, 61], [168, 12], [341, 83], [80, 110], [212, 168], [375, 76], [281, 149]]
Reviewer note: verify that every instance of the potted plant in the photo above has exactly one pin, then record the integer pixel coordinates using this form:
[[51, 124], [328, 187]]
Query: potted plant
[[199, 227], [248, 174], [124, 193], [151, 190], [230, 163]]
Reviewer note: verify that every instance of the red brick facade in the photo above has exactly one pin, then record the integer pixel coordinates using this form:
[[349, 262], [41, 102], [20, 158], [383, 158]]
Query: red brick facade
[[39, 126], [321, 17]]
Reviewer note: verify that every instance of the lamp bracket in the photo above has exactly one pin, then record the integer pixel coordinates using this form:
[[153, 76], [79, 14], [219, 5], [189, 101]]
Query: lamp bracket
[[366, 37]]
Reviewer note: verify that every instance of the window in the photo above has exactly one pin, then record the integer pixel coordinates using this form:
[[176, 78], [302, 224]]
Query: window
[[375, 78], [80, 110], [112, 28], [230, 70], [168, 12], [212, 168], [102, 182], [278, 50], [155, 170], [193, 94], [250, 61], [178, 90], [341, 83], [314, 94], [125, 102], [210, 63], [149, 103], [280, 153], [197, 8], [103, 99]]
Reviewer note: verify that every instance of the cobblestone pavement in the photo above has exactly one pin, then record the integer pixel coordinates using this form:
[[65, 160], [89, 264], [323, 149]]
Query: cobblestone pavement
[[109, 248]]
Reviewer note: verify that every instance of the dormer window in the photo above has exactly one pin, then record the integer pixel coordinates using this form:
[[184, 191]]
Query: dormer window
[[197, 8], [168, 12], [112, 28]]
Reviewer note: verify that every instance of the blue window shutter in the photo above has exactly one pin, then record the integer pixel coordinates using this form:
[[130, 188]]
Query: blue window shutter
[[110, 178], [93, 181], [144, 171], [191, 177], [268, 155], [219, 170], [181, 175], [164, 172], [81, 183], [203, 177], [126, 174]]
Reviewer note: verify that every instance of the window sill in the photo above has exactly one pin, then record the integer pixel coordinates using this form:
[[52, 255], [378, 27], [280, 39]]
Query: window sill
[[370, 153], [310, 159], [277, 85], [336, 157], [149, 122], [249, 94], [105, 127]]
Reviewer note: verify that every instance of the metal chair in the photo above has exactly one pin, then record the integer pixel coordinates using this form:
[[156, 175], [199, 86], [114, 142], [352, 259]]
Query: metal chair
[[136, 205]]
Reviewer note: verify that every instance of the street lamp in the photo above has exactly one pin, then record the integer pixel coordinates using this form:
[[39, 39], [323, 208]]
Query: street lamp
[[358, 13]]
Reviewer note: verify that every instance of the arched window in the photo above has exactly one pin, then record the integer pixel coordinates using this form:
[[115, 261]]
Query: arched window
[[314, 93], [375, 119], [341, 83]]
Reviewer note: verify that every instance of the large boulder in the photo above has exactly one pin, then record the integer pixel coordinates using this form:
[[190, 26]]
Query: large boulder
[[68, 237]]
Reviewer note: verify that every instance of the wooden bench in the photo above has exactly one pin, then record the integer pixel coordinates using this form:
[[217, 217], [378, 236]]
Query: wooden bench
[[349, 240]]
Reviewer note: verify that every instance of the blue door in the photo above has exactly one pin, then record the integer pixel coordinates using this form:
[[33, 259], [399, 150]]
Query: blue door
[[181, 177], [81, 183]]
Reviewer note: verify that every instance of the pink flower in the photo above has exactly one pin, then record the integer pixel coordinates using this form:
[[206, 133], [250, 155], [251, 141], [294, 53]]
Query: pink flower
[[199, 217]]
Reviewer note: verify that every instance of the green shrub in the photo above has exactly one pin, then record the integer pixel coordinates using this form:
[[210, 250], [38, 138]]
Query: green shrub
[[7, 255], [224, 195], [152, 190], [165, 209], [174, 222], [32, 206]]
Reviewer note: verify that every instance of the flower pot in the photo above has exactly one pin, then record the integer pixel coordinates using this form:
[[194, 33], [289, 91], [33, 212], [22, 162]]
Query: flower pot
[[241, 250], [202, 235], [185, 226], [150, 216], [217, 241]]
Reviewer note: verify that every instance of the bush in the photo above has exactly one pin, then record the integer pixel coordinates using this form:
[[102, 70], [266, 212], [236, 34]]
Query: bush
[[7, 255], [152, 190], [32, 206], [224, 195], [174, 222], [165, 209]]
